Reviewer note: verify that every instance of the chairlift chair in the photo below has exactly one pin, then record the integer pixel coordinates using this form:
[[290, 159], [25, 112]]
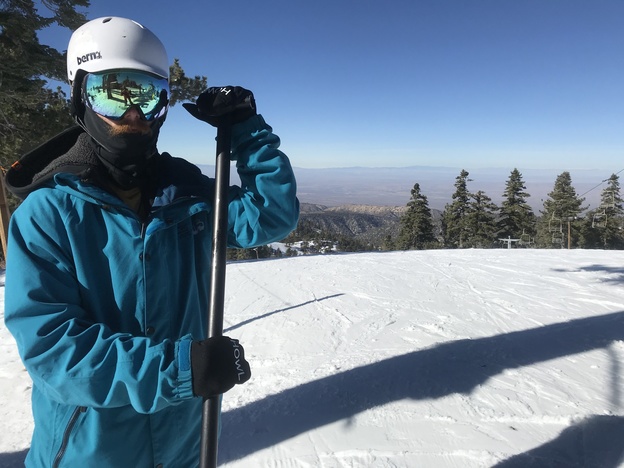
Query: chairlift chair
[[555, 224], [599, 220], [525, 239], [557, 237]]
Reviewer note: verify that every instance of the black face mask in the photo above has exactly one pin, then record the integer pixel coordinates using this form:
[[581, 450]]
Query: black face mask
[[126, 156]]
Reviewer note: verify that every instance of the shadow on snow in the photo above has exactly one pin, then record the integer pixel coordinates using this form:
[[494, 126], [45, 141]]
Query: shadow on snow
[[617, 272], [13, 459], [453, 367], [595, 442], [245, 322]]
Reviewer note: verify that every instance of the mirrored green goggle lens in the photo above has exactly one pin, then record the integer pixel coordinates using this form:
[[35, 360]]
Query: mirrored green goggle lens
[[113, 92]]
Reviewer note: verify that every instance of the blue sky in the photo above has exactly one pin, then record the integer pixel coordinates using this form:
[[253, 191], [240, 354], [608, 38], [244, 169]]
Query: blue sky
[[457, 83]]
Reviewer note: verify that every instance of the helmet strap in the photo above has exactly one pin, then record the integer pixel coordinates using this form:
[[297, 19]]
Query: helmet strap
[[76, 106]]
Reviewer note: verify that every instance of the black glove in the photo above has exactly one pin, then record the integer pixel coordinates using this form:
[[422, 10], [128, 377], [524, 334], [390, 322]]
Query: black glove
[[217, 365], [223, 105]]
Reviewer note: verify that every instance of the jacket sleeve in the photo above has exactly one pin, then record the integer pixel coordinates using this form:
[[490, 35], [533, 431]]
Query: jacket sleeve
[[265, 207], [72, 357]]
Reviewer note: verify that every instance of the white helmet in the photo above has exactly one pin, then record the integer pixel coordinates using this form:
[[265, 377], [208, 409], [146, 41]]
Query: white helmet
[[110, 43]]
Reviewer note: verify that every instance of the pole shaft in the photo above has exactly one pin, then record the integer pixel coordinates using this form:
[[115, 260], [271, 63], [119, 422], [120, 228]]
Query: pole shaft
[[569, 240], [210, 413]]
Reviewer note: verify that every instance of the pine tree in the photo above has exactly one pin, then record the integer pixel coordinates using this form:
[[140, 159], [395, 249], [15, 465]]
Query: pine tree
[[182, 87], [603, 226], [561, 211], [454, 216], [481, 222], [387, 243], [30, 112], [517, 219], [416, 224]]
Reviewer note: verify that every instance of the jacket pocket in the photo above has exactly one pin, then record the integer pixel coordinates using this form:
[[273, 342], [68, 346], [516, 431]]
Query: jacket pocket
[[71, 423]]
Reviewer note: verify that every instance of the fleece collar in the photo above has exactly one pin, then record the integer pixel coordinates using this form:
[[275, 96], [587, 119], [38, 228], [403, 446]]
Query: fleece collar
[[68, 152]]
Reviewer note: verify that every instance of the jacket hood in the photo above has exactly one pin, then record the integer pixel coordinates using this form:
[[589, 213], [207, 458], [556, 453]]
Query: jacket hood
[[70, 152]]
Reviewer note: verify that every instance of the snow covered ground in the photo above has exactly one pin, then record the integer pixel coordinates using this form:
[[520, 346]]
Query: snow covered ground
[[463, 358]]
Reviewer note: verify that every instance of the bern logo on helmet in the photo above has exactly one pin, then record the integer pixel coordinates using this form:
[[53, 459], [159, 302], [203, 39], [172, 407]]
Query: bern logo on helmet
[[87, 57]]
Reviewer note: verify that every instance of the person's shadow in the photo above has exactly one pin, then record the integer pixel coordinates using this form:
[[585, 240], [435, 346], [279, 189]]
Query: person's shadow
[[13, 459], [452, 367]]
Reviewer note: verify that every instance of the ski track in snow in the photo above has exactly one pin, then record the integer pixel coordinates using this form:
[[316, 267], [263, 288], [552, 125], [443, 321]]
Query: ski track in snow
[[461, 358]]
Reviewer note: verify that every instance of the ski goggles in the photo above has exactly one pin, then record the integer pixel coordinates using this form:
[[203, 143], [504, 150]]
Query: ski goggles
[[113, 92]]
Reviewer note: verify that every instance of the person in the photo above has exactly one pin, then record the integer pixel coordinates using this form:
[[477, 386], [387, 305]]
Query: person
[[108, 265], [126, 95]]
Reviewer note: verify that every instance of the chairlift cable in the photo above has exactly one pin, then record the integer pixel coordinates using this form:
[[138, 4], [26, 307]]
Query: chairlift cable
[[594, 188]]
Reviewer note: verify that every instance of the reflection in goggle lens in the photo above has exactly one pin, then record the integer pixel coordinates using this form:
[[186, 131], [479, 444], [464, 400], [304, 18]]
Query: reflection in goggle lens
[[113, 92]]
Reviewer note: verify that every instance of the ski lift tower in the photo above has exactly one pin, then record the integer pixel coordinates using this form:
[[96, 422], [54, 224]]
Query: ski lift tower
[[509, 241], [569, 219]]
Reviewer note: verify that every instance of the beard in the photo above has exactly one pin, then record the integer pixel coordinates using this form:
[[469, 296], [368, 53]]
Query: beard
[[141, 127], [125, 149]]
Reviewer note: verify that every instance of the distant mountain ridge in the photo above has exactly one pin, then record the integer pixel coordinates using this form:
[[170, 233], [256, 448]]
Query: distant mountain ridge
[[367, 223], [362, 209]]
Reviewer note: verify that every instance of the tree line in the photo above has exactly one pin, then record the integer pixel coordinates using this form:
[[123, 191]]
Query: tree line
[[472, 220]]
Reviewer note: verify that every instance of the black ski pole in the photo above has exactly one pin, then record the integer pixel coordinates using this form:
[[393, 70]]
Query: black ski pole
[[210, 415]]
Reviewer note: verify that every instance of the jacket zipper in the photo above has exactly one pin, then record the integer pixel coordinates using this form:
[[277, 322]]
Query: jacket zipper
[[68, 430]]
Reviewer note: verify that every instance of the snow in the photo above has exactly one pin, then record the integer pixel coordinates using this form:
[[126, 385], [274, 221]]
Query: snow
[[441, 358]]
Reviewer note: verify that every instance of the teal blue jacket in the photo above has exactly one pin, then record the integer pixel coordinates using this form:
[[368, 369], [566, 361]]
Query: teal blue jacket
[[104, 306]]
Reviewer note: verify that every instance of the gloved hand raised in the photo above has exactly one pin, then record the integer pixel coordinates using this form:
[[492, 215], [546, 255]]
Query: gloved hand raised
[[222, 105], [217, 365]]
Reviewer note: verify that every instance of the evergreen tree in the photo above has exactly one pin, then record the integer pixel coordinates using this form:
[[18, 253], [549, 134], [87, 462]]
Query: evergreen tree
[[481, 222], [416, 224], [603, 226], [256, 253], [454, 215], [182, 87], [387, 243], [561, 211], [517, 219], [30, 112], [348, 244]]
